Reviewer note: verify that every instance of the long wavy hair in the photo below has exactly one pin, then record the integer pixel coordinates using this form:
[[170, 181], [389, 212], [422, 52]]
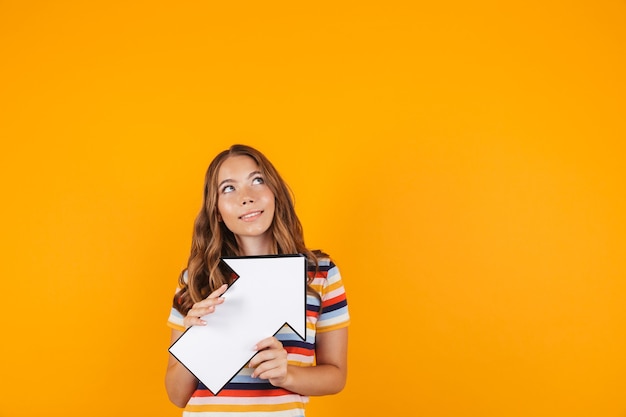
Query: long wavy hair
[[212, 240]]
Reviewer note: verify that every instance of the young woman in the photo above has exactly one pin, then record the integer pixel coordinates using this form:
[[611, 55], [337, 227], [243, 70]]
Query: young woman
[[247, 211]]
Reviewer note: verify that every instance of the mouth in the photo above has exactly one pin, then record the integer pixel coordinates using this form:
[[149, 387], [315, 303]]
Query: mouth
[[251, 215]]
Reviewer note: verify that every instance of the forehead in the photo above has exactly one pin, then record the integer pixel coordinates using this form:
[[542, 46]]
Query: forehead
[[236, 167]]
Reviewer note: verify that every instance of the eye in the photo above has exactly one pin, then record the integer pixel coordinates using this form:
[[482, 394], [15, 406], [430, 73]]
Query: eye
[[227, 189], [258, 180]]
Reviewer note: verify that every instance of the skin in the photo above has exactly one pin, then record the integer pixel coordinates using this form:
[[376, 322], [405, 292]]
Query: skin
[[246, 206]]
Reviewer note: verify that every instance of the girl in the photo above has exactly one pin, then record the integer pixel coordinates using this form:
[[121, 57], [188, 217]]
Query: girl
[[248, 211]]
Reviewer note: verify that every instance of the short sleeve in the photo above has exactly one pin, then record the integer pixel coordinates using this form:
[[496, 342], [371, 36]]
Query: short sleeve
[[334, 311], [175, 320]]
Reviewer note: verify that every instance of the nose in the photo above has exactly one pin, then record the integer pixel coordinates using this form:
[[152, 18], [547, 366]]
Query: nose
[[248, 196]]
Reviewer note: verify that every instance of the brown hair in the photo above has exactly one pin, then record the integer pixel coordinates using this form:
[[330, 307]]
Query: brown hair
[[212, 240]]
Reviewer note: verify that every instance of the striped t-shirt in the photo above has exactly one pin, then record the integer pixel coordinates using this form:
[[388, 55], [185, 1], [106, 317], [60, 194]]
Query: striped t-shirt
[[243, 394]]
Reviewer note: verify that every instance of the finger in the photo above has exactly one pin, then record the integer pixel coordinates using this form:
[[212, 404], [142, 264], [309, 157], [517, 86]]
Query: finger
[[266, 371], [218, 292], [268, 343], [271, 364], [273, 374], [268, 355], [258, 359], [206, 303], [204, 307], [193, 321], [213, 299]]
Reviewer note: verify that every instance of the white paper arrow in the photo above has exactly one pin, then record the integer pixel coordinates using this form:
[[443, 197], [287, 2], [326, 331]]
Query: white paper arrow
[[270, 291]]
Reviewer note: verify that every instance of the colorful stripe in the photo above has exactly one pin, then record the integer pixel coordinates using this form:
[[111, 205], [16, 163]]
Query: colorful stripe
[[245, 395]]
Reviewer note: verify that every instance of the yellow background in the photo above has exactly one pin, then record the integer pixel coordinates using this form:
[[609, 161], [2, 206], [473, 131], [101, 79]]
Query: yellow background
[[462, 161]]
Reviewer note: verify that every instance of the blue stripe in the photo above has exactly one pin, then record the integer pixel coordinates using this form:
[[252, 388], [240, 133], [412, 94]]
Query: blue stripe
[[250, 386], [324, 266], [243, 384], [288, 337], [313, 308], [298, 344], [334, 313], [334, 307]]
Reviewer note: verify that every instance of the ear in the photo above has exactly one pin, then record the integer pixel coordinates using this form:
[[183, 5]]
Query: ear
[[219, 217]]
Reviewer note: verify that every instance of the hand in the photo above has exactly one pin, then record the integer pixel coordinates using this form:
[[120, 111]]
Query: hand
[[204, 307], [270, 361]]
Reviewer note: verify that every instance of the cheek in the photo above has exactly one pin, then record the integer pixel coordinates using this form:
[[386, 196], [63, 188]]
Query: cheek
[[222, 209], [270, 201]]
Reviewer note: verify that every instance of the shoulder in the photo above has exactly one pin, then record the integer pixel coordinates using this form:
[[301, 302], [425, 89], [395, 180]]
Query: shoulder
[[325, 272], [322, 261]]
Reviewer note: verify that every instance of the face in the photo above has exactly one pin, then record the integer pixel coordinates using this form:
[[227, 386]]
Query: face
[[245, 203]]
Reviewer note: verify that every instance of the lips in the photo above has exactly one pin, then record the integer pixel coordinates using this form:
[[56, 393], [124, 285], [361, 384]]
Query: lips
[[251, 215]]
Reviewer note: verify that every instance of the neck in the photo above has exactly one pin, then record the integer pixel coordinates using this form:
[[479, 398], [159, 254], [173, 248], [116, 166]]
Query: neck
[[255, 246]]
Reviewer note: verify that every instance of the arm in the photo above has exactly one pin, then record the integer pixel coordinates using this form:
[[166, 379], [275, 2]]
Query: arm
[[179, 382], [328, 376]]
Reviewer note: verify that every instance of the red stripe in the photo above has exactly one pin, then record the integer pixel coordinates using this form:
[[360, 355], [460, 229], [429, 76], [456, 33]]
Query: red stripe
[[299, 351], [335, 300], [243, 393], [320, 274]]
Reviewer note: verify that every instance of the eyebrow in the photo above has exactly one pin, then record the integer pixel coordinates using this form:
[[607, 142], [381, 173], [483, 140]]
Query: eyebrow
[[250, 175]]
